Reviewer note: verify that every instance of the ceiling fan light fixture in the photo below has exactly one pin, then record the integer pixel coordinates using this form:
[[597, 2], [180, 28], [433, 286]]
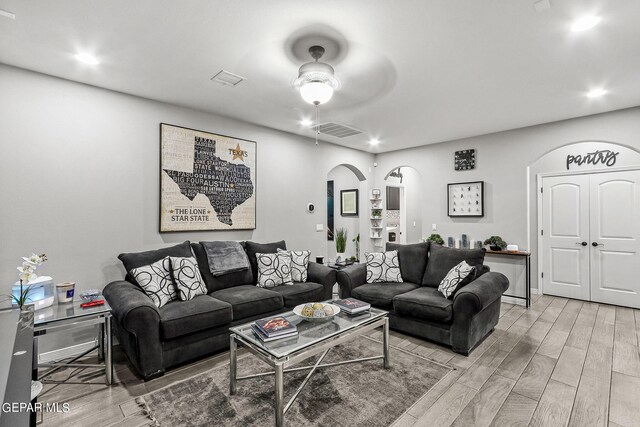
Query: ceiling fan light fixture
[[316, 93], [316, 80]]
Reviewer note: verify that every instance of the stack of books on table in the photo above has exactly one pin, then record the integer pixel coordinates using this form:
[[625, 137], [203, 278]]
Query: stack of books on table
[[274, 328], [352, 306]]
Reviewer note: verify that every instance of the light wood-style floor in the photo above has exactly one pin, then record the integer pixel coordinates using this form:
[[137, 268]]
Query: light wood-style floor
[[561, 362]]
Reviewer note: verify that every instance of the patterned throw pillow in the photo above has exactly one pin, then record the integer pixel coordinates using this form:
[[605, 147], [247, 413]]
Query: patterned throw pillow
[[155, 281], [459, 276], [383, 267], [273, 270], [187, 277], [299, 264]]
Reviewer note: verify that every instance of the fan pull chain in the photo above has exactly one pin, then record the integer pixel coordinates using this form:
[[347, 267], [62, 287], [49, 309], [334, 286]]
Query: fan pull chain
[[317, 124]]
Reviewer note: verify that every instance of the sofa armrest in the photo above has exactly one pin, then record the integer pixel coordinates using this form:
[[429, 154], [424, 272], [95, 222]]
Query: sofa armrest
[[138, 326], [351, 277], [324, 275], [478, 294]]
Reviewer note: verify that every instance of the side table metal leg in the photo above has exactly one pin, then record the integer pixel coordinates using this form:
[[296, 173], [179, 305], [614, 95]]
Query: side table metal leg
[[385, 342], [232, 364], [101, 336], [108, 351], [279, 395]]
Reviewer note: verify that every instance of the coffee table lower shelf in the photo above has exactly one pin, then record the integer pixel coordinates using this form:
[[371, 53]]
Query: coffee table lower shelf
[[283, 365]]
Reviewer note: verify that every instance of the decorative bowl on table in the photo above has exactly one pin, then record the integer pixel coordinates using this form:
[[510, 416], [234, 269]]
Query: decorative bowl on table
[[316, 311], [90, 295]]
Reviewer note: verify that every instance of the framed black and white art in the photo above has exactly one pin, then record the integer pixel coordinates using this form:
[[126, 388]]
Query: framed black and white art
[[465, 199], [349, 202], [207, 181]]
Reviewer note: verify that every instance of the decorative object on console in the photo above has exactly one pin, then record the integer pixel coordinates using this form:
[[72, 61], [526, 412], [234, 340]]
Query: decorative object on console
[[187, 278], [479, 244], [383, 267], [464, 242], [23, 293], [218, 167], [465, 199], [349, 202], [155, 281], [496, 243], [299, 264], [451, 242], [341, 242], [436, 238], [460, 275], [273, 270], [465, 160], [513, 248], [65, 292]]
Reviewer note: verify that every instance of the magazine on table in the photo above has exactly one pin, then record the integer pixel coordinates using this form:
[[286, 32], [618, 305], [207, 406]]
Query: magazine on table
[[265, 338], [352, 305], [275, 326]]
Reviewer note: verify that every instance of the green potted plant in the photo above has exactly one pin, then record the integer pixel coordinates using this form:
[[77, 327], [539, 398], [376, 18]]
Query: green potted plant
[[376, 213], [26, 274], [341, 242], [436, 238], [496, 243]]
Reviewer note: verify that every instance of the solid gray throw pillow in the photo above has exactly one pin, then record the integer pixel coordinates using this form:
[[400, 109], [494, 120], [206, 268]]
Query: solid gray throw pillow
[[443, 259]]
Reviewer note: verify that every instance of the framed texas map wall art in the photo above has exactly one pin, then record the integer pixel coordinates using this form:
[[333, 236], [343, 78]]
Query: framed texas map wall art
[[465, 199], [207, 181]]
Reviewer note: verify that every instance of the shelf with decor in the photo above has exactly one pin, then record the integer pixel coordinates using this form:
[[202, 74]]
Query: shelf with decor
[[376, 227]]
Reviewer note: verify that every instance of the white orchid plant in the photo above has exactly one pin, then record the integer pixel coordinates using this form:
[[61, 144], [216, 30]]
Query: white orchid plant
[[27, 273]]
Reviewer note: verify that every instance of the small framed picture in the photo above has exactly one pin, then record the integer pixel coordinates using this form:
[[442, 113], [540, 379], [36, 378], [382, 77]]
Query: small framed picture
[[465, 199], [375, 193], [349, 202], [465, 160]]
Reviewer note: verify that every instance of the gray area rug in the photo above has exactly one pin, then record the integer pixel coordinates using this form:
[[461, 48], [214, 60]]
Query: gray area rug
[[359, 394]]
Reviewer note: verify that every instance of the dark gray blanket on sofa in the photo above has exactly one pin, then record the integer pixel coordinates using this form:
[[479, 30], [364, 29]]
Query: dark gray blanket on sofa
[[225, 257]]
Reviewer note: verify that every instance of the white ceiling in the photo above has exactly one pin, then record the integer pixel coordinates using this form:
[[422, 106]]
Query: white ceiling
[[413, 72]]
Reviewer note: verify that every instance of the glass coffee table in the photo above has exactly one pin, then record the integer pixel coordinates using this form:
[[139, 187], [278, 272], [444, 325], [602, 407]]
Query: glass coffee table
[[313, 338]]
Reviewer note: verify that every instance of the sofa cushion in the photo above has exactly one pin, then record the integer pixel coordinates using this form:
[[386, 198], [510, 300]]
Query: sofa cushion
[[442, 259], [180, 318], [215, 283], [381, 294], [300, 293], [249, 300], [424, 303], [264, 248], [133, 260], [413, 260]]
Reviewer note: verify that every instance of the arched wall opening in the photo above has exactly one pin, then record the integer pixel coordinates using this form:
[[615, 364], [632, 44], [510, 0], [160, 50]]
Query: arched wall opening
[[403, 190]]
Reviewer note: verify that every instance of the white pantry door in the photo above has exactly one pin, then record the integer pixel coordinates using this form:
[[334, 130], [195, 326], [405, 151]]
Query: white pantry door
[[615, 238], [565, 236]]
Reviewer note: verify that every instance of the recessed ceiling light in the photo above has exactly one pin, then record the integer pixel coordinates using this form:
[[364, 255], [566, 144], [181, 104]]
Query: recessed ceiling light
[[596, 93], [374, 141], [88, 59], [306, 122], [585, 23]]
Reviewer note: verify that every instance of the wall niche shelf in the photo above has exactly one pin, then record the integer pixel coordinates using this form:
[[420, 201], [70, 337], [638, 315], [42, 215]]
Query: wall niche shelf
[[375, 217]]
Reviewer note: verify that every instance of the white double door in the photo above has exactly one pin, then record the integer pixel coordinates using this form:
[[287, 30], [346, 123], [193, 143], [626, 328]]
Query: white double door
[[590, 237]]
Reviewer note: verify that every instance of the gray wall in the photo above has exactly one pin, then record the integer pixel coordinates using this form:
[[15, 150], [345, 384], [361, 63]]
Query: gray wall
[[503, 160], [79, 174]]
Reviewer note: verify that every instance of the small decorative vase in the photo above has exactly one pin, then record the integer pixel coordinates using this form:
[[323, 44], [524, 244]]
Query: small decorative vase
[[341, 255], [495, 248]]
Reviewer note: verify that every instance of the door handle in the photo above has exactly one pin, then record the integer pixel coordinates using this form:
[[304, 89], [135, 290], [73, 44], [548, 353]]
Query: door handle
[[581, 243], [594, 244]]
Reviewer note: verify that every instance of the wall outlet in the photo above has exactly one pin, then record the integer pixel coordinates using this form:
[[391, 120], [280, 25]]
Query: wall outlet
[[319, 227], [434, 227]]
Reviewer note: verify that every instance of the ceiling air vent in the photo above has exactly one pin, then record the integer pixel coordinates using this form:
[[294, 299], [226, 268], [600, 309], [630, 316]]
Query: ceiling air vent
[[226, 78], [337, 130]]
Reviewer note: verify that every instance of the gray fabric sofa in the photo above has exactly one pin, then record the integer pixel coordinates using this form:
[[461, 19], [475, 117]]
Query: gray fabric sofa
[[416, 307], [155, 339]]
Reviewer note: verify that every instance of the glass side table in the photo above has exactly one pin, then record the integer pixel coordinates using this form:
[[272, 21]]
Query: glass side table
[[63, 317]]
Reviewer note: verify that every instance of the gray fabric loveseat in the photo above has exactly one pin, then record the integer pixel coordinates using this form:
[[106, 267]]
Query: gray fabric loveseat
[[417, 307], [155, 339]]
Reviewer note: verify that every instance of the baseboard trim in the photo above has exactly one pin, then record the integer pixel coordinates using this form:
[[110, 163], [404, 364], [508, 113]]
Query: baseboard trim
[[66, 352]]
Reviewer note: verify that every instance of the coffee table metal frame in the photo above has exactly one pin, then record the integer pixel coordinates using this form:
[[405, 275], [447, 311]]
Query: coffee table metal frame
[[283, 364]]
